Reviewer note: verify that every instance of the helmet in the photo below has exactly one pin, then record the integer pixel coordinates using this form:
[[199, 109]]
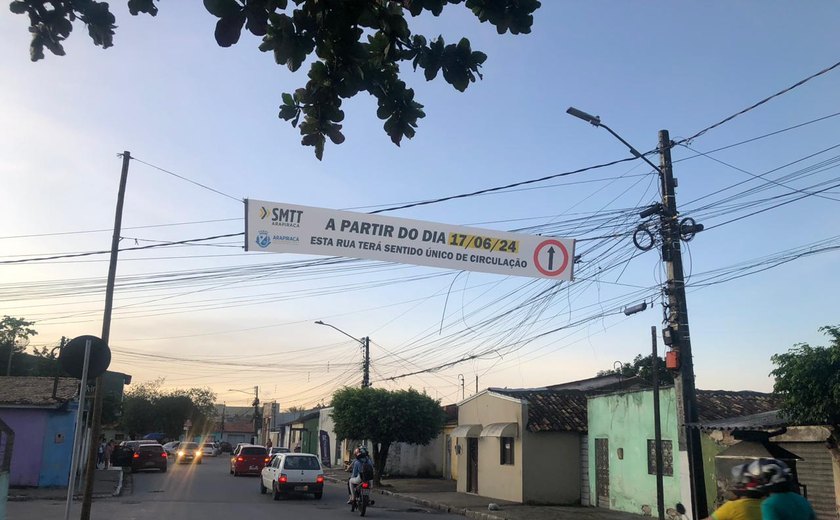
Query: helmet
[[746, 480], [774, 473], [361, 452]]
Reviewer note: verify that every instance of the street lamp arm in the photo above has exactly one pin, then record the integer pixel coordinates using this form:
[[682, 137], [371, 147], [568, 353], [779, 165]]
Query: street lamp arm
[[596, 121], [319, 322]]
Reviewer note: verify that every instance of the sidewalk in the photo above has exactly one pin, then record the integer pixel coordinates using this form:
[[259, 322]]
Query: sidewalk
[[106, 483], [441, 495]]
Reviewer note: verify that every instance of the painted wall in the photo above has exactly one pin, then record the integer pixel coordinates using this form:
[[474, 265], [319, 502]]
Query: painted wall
[[552, 467], [416, 460], [627, 421], [29, 426], [495, 480], [57, 447], [449, 445], [328, 425]]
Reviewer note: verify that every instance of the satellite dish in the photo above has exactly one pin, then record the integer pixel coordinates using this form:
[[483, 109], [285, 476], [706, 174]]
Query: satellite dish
[[72, 357]]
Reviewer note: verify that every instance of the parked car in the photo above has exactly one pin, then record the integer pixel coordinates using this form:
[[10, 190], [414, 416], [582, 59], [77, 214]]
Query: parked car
[[208, 449], [225, 447], [248, 459], [278, 449], [149, 456], [171, 448], [189, 452], [290, 473]]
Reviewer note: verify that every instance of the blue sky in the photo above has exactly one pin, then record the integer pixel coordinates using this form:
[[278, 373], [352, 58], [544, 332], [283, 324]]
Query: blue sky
[[169, 95]]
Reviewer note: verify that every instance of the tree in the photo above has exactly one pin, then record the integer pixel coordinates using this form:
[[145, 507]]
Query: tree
[[354, 46], [148, 409], [385, 417], [641, 367], [808, 381], [14, 337]]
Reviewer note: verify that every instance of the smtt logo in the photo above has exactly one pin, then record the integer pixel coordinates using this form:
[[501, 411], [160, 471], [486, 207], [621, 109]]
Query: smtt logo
[[282, 217], [263, 239]]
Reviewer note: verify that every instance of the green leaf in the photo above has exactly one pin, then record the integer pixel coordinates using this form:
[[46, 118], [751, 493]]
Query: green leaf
[[223, 8], [288, 99], [229, 29], [17, 7]]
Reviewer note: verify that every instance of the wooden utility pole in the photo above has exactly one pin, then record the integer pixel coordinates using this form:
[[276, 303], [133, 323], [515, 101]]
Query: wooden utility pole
[[366, 364], [677, 330], [98, 394]]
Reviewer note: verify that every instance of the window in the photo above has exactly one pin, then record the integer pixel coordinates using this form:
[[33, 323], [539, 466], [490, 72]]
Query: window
[[667, 458], [506, 450]]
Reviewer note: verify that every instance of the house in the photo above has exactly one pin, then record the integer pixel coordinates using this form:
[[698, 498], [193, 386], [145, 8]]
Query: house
[[522, 445], [621, 447], [42, 413], [425, 460]]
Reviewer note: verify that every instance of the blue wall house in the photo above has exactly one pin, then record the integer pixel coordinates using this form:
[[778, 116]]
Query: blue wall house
[[42, 413]]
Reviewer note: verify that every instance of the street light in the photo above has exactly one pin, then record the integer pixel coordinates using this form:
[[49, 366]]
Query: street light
[[596, 121], [256, 405], [365, 342]]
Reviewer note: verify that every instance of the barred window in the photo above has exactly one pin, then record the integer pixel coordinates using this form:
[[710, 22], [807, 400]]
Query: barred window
[[667, 457], [506, 450]]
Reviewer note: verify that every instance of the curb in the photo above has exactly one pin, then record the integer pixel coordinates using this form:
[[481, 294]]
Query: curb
[[445, 508], [118, 490]]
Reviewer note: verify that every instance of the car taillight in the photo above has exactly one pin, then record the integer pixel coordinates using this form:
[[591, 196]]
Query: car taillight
[[319, 479], [240, 459], [136, 456], [163, 454], [267, 459], [365, 485], [283, 479]]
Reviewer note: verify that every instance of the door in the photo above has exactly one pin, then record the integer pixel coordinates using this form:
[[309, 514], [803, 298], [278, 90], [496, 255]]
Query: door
[[472, 465], [602, 472]]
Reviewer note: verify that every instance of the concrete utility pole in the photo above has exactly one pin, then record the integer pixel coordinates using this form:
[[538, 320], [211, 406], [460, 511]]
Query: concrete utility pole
[[98, 394], [366, 364], [677, 330]]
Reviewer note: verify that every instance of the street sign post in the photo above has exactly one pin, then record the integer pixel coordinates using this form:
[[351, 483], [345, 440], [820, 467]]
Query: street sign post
[[290, 228]]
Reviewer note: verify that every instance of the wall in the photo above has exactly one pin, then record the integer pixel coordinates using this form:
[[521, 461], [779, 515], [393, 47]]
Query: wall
[[416, 460], [453, 457], [626, 419], [29, 426], [552, 467], [328, 425], [494, 479], [57, 447]]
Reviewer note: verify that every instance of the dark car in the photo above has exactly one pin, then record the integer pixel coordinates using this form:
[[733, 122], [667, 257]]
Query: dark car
[[248, 459], [225, 447], [189, 452], [124, 453], [148, 456]]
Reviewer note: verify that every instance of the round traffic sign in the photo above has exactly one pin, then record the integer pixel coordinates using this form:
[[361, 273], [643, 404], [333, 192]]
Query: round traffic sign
[[545, 260], [72, 357]]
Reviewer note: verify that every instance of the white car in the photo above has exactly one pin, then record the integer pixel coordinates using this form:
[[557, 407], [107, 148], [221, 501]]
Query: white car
[[209, 449], [289, 473]]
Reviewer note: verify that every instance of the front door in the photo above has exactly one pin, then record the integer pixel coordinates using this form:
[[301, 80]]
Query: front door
[[602, 472], [472, 465]]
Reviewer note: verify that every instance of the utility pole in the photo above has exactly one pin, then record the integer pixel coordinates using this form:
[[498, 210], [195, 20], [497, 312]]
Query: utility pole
[[98, 394], [677, 330], [257, 418], [366, 365], [657, 427]]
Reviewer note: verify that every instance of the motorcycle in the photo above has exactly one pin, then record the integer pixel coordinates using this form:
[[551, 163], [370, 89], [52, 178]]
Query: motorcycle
[[362, 497]]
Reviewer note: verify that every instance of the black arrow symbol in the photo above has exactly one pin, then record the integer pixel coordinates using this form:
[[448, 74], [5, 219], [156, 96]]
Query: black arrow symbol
[[263, 212], [551, 258]]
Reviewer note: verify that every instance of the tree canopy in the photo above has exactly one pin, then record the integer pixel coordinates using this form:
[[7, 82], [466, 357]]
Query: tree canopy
[[148, 409], [15, 333], [385, 417], [352, 46], [642, 367], [808, 381]]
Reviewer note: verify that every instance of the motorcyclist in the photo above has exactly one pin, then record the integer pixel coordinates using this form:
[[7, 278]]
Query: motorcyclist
[[747, 504], [783, 503], [361, 455]]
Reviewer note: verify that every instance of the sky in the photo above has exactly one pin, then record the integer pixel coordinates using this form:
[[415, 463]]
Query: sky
[[201, 123]]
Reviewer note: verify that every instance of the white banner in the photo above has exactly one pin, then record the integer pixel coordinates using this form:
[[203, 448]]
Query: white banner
[[288, 228]]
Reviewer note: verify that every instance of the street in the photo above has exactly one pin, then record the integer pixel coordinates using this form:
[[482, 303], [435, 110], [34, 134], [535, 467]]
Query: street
[[208, 492]]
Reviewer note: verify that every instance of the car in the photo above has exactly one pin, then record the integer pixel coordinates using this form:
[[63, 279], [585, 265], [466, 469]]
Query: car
[[171, 448], [278, 449], [293, 473], [225, 447], [248, 459], [148, 456], [189, 452], [208, 449], [124, 453]]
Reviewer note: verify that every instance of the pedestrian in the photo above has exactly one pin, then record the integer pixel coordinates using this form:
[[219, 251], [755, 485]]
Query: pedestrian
[[100, 452], [268, 444], [783, 503], [747, 503], [297, 448], [109, 451]]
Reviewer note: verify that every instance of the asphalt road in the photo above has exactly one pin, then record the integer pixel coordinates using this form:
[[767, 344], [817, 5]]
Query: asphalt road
[[209, 492]]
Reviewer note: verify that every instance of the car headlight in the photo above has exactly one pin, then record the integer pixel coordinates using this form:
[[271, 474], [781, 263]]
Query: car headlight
[[181, 453]]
